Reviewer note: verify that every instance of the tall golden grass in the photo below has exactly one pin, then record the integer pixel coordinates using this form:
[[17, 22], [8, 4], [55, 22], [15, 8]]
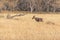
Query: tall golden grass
[[27, 29]]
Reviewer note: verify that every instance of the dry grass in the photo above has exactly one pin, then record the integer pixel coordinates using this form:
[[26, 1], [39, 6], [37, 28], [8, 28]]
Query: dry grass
[[27, 29]]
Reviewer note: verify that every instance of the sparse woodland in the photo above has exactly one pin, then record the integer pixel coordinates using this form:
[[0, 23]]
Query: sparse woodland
[[30, 5]]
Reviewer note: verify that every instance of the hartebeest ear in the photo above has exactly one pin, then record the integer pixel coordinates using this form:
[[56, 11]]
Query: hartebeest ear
[[33, 17]]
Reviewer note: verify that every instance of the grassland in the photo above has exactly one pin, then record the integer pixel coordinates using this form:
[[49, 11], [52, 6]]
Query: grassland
[[24, 28]]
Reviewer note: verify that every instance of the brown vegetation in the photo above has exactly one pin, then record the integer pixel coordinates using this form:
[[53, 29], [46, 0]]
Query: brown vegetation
[[30, 5]]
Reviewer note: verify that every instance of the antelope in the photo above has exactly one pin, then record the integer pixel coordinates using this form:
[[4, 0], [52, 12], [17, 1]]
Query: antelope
[[37, 19]]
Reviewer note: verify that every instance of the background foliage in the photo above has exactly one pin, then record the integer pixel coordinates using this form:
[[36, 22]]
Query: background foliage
[[30, 5]]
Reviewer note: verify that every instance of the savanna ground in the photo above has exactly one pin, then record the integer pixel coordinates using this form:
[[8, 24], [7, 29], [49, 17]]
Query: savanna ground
[[26, 28]]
